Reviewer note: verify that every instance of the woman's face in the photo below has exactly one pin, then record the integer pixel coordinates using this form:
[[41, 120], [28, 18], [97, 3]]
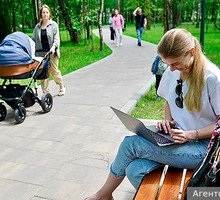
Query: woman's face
[[45, 14], [182, 64], [116, 12]]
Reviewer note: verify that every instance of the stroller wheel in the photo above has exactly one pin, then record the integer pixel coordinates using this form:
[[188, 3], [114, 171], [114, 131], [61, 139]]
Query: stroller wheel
[[20, 114], [46, 102], [3, 112]]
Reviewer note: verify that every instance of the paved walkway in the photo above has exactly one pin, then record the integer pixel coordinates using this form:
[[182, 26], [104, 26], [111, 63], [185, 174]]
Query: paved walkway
[[65, 154]]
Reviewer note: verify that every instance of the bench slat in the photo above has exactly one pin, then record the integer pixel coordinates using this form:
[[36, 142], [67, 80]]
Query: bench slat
[[147, 188], [171, 185]]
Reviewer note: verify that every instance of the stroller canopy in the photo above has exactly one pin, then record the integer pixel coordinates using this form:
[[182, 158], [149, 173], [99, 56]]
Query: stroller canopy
[[15, 49]]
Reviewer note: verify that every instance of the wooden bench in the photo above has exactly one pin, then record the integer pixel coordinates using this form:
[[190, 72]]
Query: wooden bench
[[166, 183]]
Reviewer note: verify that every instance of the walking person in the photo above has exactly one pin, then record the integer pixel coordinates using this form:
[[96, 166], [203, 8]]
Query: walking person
[[118, 26], [141, 23], [47, 38], [191, 86], [112, 31], [158, 68]]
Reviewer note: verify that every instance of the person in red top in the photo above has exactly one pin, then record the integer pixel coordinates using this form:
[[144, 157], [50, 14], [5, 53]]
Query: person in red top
[[118, 26]]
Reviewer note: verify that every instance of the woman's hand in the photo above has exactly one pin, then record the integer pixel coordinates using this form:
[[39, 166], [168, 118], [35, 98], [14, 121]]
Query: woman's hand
[[165, 126], [52, 49], [179, 136]]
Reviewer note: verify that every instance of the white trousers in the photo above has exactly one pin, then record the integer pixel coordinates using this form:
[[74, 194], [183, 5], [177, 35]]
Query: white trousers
[[118, 33]]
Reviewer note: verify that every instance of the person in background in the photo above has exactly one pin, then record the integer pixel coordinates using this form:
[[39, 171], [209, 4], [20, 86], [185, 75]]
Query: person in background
[[158, 68], [47, 38], [112, 31], [118, 26], [190, 86], [141, 23]]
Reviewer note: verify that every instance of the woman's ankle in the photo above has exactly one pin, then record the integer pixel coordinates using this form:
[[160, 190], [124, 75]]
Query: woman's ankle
[[99, 196]]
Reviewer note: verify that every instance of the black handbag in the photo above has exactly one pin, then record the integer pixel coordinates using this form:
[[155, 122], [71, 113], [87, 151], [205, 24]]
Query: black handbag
[[207, 173]]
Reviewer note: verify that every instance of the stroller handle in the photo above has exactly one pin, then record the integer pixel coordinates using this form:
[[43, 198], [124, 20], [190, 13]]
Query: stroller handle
[[47, 54]]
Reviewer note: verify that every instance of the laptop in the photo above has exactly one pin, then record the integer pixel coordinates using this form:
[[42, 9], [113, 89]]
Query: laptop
[[149, 133]]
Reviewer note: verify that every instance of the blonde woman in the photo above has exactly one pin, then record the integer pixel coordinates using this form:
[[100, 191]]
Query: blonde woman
[[191, 86], [47, 38]]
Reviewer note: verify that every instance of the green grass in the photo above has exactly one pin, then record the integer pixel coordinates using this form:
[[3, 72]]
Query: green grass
[[153, 36], [211, 38], [150, 108], [76, 56]]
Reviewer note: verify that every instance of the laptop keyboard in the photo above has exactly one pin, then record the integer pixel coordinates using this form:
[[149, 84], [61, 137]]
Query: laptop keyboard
[[158, 138]]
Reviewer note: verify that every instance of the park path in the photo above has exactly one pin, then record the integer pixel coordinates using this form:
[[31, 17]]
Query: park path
[[65, 154]]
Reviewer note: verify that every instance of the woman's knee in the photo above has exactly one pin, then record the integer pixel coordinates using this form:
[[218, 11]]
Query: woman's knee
[[129, 142]]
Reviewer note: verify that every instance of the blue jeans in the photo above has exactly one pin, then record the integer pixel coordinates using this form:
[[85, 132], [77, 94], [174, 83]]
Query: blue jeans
[[139, 33], [137, 157]]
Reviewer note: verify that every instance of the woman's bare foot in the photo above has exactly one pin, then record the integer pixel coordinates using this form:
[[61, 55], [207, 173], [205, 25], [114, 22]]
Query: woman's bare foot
[[99, 197]]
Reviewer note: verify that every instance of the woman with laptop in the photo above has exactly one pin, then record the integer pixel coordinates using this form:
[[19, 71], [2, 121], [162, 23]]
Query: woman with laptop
[[190, 86]]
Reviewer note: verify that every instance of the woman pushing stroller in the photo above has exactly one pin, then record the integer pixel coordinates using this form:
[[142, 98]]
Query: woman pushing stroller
[[46, 38]]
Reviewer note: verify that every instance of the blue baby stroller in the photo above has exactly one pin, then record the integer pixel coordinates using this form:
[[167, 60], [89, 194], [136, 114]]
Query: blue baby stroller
[[17, 61]]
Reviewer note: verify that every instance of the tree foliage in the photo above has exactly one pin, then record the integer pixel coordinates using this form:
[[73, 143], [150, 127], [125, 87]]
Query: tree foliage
[[81, 17]]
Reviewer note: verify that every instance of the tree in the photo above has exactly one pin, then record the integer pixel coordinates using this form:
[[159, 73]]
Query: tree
[[73, 33], [86, 21], [100, 25], [37, 4], [22, 14], [168, 15], [5, 22], [216, 5]]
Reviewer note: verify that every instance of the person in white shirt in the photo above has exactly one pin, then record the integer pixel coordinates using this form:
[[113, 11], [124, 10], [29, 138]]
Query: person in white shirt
[[190, 86]]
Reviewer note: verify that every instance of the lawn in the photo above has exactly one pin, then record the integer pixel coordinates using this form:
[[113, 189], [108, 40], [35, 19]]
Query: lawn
[[149, 107], [76, 56]]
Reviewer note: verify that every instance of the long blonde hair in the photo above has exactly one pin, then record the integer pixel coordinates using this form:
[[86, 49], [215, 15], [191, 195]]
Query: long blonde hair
[[177, 43]]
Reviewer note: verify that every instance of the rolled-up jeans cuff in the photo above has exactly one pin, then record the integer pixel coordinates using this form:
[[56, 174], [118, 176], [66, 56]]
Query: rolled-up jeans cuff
[[114, 173]]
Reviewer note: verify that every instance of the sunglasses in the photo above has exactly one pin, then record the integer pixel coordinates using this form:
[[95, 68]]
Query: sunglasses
[[179, 99]]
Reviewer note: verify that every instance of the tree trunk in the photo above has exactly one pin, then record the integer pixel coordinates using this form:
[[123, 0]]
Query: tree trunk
[[100, 25], [117, 5], [37, 4], [168, 15], [215, 16], [73, 33], [92, 39], [123, 8], [148, 15], [85, 19], [34, 2], [198, 15], [4, 19], [13, 11], [180, 13], [22, 17]]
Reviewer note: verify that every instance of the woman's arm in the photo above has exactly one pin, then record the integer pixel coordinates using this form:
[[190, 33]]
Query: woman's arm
[[181, 136], [167, 113], [56, 40]]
